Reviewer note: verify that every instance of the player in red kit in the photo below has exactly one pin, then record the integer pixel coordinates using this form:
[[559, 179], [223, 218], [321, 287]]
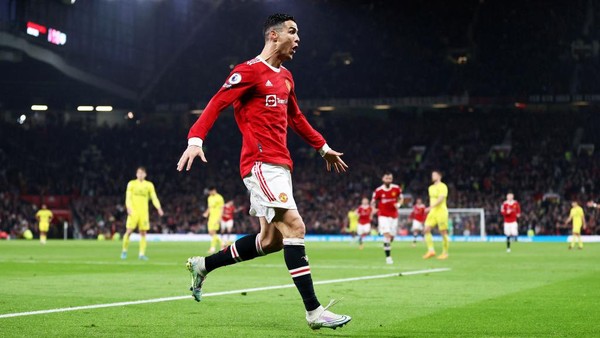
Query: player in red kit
[[418, 216], [263, 95], [511, 210], [365, 214], [227, 221], [386, 200]]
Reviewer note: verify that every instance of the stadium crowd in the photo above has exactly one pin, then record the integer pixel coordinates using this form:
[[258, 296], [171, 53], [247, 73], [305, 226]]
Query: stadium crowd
[[483, 156]]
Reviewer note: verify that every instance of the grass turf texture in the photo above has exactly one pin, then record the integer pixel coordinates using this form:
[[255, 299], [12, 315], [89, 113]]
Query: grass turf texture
[[538, 290]]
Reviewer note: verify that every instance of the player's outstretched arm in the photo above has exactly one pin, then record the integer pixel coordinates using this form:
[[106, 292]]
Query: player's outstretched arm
[[334, 160], [188, 156]]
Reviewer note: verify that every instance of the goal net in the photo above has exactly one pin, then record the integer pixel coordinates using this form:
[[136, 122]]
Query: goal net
[[461, 222]]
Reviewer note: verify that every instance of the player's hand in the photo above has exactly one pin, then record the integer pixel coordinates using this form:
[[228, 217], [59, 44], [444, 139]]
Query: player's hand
[[161, 213], [333, 159], [427, 210], [188, 156], [129, 211]]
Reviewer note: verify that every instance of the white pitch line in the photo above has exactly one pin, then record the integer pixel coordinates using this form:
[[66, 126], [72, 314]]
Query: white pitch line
[[136, 263], [213, 294]]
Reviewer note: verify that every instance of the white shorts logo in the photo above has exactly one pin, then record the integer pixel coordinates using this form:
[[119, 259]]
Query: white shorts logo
[[271, 101]]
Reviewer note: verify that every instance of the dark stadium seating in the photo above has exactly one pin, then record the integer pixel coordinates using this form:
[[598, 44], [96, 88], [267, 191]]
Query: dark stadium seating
[[93, 167]]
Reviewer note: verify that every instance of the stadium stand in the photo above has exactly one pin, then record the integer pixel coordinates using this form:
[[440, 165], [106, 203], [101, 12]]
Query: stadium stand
[[545, 161]]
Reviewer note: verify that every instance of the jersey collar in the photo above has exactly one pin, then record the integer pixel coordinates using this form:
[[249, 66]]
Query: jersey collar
[[275, 69]]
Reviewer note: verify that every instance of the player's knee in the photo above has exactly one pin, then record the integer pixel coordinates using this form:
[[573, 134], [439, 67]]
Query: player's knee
[[272, 244], [296, 227]]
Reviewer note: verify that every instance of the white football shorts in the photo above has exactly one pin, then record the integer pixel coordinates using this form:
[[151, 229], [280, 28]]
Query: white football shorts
[[227, 225], [511, 229], [363, 229], [416, 226], [388, 225], [270, 187]]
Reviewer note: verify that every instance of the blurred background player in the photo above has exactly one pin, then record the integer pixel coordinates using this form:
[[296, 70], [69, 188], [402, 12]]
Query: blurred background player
[[229, 211], [139, 192], [44, 217], [438, 215], [418, 216], [578, 218], [214, 212], [352, 223], [365, 214], [511, 210], [386, 200]]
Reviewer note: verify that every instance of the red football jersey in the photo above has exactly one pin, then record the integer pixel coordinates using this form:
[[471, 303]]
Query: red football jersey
[[510, 211], [387, 199], [418, 213], [228, 211], [364, 214], [265, 104]]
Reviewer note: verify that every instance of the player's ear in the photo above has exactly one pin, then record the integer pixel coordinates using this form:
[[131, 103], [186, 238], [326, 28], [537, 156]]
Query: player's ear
[[274, 35]]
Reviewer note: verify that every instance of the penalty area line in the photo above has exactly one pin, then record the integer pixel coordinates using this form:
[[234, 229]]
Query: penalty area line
[[220, 293]]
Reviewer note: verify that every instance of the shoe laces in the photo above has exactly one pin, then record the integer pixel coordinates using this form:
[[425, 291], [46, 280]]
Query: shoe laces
[[332, 303]]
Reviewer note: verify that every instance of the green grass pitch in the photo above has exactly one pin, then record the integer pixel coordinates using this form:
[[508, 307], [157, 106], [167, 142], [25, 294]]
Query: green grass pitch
[[538, 290]]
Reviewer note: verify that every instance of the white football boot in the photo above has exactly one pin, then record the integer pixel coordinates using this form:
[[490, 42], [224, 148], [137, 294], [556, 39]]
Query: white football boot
[[322, 317], [195, 266]]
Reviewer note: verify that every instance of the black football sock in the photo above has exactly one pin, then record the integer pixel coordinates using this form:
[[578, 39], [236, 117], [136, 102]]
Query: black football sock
[[414, 239], [297, 264], [508, 242], [244, 249], [360, 240], [387, 247]]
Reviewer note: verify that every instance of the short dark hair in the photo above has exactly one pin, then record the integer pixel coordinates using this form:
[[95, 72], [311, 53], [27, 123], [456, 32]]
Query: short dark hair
[[142, 168], [387, 172], [211, 188], [275, 20], [438, 171]]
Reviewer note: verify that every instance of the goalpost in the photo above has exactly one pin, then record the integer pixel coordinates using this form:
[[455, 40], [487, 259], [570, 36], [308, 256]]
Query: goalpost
[[461, 221]]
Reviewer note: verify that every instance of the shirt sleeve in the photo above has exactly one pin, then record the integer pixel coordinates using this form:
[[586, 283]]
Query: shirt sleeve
[[154, 197], [299, 124], [375, 196], [239, 82], [129, 196], [444, 190]]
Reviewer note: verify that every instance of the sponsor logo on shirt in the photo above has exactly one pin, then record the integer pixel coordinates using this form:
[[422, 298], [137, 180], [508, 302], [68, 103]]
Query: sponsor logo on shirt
[[272, 101]]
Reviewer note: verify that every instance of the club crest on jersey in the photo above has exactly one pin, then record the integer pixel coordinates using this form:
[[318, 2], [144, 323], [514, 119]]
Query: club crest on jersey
[[283, 197], [234, 79]]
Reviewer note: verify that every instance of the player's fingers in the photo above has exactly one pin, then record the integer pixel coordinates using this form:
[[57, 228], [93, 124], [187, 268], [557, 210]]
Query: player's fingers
[[337, 167], [181, 162], [328, 166], [190, 160], [344, 165], [203, 157]]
